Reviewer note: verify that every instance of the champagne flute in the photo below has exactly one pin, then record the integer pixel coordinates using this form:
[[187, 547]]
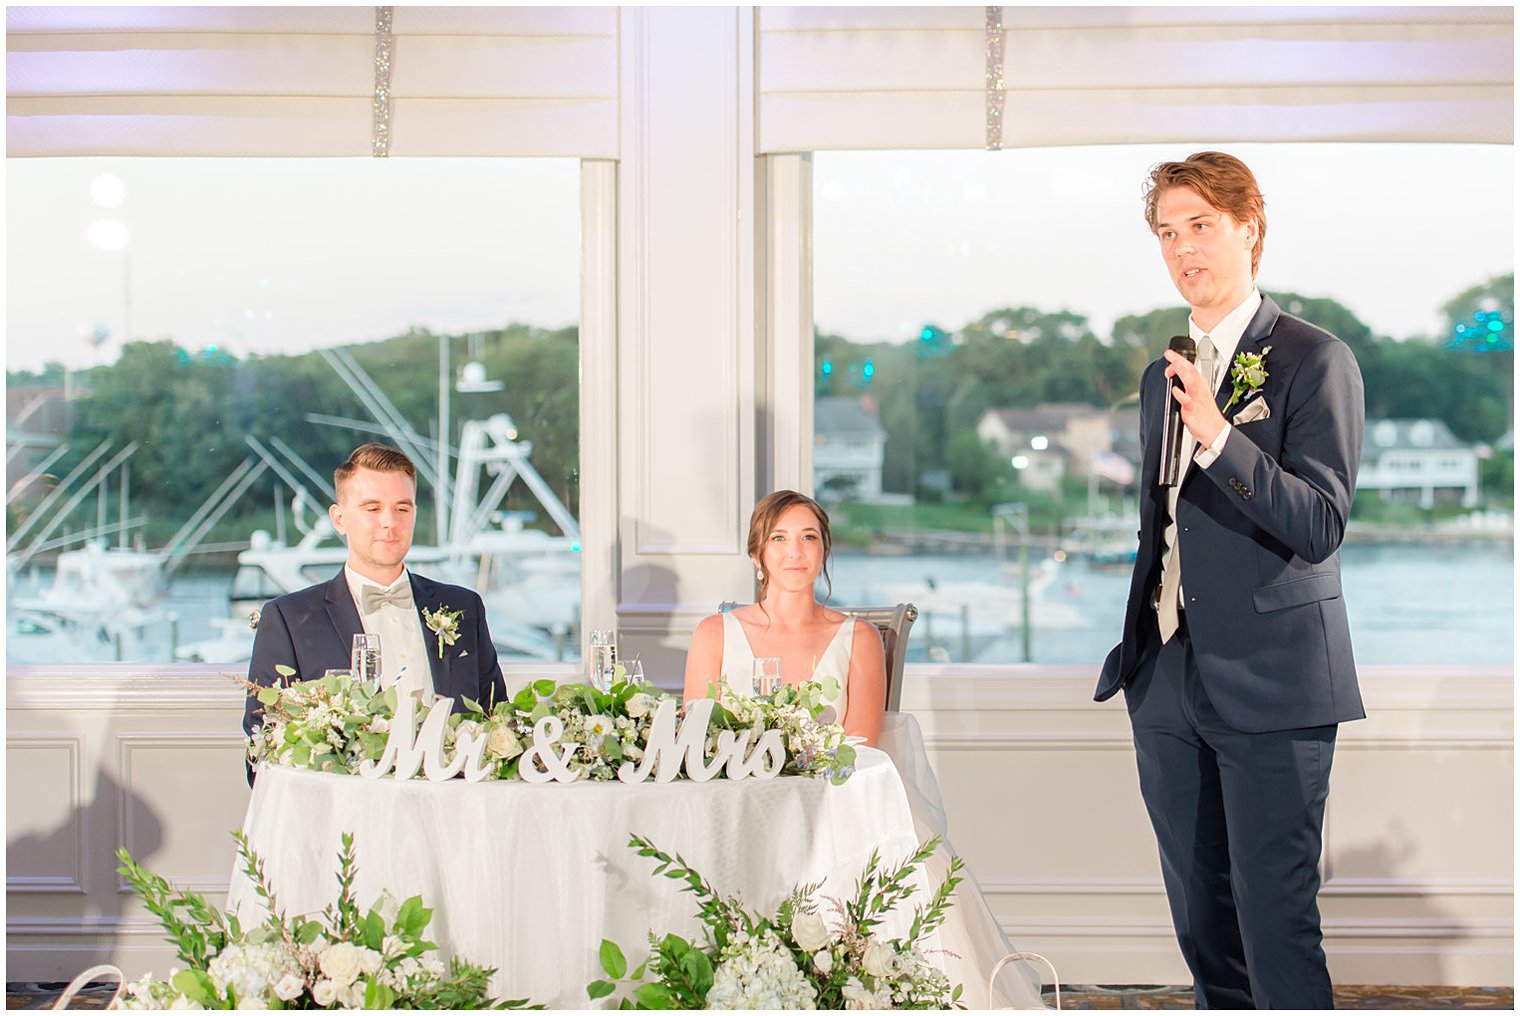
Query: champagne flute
[[364, 660], [600, 658], [633, 671], [767, 674]]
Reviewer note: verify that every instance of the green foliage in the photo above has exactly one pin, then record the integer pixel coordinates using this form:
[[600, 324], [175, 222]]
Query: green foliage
[[974, 466], [204, 935], [681, 973], [191, 413], [200, 933], [1496, 477]]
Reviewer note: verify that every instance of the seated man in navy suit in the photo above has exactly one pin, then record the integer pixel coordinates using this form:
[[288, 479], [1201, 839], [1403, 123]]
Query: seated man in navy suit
[[312, 629], [1236, 656]]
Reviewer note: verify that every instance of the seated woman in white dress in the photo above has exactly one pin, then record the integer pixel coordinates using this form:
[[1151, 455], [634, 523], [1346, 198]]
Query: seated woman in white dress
[[789, 542]]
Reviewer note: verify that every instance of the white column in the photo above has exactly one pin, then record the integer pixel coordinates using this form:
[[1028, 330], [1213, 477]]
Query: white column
[[785, 226], [686, 374]]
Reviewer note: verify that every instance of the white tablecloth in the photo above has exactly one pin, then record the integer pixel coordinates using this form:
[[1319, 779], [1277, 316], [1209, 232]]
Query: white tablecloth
[[530, 879]]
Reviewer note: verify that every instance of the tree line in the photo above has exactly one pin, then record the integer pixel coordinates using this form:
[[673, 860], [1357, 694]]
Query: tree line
[[189, 412], [931, 391]]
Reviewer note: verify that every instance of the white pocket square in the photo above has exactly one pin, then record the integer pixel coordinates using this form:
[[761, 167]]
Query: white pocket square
[[1251, 412], [463, 653]]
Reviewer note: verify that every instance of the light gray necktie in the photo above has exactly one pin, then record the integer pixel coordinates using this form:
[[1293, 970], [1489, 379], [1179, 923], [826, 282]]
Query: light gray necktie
[[372, 598], [1171, 578]]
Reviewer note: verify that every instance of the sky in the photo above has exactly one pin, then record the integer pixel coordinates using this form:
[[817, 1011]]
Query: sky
[[282, 256], [908, 238]]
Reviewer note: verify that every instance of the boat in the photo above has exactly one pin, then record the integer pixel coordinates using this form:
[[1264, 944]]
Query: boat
[[529, 579]]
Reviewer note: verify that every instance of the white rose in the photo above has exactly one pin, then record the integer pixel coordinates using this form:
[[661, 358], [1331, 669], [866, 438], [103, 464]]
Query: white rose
[[639, 705], [878, 959], [289, 987], [181, 1002], [324, 993], [380, 725], [503, 744], [318, 946], [341, 963], [823, 962], [469, 727], [809, 932]]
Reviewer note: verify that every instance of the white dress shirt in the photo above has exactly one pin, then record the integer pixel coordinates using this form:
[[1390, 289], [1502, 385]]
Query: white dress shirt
[[1226, 338], [402, 644]]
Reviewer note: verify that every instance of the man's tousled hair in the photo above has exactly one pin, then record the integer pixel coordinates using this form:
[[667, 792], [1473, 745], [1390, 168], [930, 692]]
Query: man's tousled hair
[[1223, 181]]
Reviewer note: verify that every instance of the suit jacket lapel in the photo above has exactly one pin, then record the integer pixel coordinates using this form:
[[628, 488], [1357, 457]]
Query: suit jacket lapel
[[342, 611], [425, 596], [1252, 340]]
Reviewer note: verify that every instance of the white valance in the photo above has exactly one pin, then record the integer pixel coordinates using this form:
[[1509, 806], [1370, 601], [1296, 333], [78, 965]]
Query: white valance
[[544, 81], [300, 81], [877, 77]]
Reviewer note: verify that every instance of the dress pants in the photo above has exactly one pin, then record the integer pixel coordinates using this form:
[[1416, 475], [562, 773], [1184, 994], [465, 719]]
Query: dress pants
[[1238, 819]]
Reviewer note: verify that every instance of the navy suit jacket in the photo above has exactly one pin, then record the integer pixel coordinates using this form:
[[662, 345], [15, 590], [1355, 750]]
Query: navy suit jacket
[[312, 630], [1260, 532]]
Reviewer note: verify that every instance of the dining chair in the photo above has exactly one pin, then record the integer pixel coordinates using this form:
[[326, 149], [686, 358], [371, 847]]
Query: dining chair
[[894, 624]]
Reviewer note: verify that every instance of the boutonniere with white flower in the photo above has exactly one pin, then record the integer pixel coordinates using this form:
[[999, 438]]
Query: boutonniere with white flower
[[443, 623], [1247, 374]]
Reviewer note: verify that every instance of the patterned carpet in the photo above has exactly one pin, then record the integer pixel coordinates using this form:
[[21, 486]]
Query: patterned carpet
[[1075, 996], [1347, 996]]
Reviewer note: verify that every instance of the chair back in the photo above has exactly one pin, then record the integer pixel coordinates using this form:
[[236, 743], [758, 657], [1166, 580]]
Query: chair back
[[894, 624]]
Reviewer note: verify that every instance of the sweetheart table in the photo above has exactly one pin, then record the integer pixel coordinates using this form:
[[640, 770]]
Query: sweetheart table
[[530, 878]]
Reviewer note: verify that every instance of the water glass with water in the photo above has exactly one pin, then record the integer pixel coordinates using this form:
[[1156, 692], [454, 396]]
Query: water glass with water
[[767, 674], [601, 657], [633, 671], [364, 661]]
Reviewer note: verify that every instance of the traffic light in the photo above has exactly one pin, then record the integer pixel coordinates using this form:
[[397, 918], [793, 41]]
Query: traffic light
[[1486, 331]]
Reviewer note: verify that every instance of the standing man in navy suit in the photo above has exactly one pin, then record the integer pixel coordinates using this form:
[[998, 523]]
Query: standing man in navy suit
[[312, 629], [1236, 656]]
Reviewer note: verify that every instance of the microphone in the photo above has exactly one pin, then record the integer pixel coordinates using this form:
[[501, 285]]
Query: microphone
[[1171, 426]]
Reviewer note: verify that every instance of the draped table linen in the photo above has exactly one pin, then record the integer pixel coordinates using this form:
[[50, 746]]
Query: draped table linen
[[530, 878]]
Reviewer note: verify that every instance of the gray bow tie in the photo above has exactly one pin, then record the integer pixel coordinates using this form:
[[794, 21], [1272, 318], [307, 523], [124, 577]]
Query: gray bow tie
[[372, 598]]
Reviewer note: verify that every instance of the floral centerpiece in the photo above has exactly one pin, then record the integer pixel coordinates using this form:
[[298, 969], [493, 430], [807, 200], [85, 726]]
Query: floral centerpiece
[[347, 959], [336, 722], [814, 953]]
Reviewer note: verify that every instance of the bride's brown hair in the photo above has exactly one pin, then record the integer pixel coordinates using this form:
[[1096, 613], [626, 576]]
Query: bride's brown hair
[[763, 519]]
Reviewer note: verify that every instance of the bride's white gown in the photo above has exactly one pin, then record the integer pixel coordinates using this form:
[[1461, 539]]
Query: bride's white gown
[[970, 936]]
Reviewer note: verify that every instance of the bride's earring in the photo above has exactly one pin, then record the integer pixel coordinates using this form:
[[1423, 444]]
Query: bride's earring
[[759, 575]]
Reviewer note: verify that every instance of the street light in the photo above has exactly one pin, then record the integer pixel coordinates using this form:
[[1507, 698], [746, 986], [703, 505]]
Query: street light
[[1017, 516], [108, 191]]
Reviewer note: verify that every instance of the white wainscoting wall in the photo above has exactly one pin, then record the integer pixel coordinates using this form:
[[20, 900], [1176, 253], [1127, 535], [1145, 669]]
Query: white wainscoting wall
[[1039, 781]]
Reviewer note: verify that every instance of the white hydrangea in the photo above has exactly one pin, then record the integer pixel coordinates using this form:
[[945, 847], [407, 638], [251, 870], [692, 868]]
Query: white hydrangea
[[858, 996], [150, 994], [758, 972], [251, 970]]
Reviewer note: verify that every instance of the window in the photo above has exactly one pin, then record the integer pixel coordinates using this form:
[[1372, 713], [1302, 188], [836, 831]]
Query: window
[[194, 344], [1006, 298]]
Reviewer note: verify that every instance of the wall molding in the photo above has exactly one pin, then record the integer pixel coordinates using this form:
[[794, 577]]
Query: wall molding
[[69, 883]]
